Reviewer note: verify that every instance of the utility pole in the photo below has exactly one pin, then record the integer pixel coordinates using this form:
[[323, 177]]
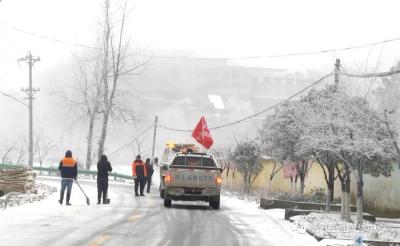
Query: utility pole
[[154, 139], [30, 91], [337, 71]]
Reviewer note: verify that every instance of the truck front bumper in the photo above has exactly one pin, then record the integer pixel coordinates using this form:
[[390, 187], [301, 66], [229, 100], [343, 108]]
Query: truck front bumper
[[192, 194]]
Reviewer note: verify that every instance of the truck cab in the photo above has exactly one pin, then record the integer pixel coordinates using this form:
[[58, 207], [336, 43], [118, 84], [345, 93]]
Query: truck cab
[[192, 177], [168, 154]]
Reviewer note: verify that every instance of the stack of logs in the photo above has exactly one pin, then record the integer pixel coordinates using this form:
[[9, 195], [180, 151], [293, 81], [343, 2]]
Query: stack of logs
[[17, 180]]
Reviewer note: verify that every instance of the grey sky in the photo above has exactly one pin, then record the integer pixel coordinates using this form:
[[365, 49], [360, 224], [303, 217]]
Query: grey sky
[[208, 28]]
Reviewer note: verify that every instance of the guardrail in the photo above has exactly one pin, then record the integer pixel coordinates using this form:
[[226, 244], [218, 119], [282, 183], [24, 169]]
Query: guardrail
[[55, 170]]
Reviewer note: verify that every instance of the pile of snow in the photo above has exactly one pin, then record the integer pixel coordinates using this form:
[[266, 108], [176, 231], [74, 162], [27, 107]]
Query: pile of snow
[[329, 225], [13, 199]]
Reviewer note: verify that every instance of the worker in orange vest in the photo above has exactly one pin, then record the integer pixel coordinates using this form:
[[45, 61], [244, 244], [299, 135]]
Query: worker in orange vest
[[139, 174], [69, 171]]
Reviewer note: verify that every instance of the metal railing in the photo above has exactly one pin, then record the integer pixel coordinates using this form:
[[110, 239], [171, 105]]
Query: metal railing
[[51, 170]]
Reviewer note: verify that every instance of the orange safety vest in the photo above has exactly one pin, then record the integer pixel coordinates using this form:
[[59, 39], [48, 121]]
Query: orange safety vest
[[137, 167]]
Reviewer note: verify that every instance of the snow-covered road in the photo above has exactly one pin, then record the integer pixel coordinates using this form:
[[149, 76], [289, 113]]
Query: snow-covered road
[[130, 220]]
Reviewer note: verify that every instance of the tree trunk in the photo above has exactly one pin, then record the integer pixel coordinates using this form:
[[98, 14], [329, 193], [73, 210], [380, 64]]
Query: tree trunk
[[332, 180], [343, 201], [246, 185], [343, 197], [348, 208], [302, 168], [360, 204], [103, 133], [292, 185], [302, 185], [269, 184], [348, 196], [90, 142], [360, 184], [328, 200], [331, 184]]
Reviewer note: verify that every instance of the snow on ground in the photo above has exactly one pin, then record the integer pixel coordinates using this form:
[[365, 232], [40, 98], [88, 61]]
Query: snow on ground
[[13, 199], [331, 226], [244, 213], [268, 223]]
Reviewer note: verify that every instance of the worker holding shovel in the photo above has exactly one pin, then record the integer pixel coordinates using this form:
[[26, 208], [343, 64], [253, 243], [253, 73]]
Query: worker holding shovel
[[69, 171]]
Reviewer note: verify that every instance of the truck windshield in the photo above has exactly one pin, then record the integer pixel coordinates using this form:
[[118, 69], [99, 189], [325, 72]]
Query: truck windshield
[[193, 161]]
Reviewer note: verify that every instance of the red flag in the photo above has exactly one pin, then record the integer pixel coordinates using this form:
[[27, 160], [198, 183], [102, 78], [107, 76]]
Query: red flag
[[202, 134]]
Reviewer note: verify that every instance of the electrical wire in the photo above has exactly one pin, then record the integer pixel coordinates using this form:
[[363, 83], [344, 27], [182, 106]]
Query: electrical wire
[[258, 113], [12, 97], [130, 141], [213, 58], [366, 75], [46, 37]]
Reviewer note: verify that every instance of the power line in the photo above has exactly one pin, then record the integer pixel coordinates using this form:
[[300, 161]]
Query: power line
[[212, 58], [366, 75], [130, 141], [256, 114], [14, 98], [46, 37], [323, 51], [9, 42]]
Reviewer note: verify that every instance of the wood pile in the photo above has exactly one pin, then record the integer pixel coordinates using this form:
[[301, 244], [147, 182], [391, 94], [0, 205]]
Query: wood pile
[[17, 180]]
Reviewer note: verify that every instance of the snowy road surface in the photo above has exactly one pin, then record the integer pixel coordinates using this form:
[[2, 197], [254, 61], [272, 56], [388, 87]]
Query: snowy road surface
[[130, 220]]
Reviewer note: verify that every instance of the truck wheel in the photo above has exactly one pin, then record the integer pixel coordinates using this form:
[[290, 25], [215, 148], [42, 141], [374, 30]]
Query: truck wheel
[[162, 193], [167, 203], [215, 203]]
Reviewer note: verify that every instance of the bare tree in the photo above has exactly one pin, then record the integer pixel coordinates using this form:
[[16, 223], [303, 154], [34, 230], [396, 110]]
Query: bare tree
[[117, 65], [223, 157], [6, 153], [21, 152], [98, 78], [275, 169], [84, 97], [42, 147]]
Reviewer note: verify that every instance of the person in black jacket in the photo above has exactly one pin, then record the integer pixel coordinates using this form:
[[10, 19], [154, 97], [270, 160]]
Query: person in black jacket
[[103, 167], [69, 171], [150, 171]]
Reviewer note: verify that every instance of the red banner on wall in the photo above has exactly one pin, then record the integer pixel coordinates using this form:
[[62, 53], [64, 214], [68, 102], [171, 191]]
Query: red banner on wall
[[290, 170]]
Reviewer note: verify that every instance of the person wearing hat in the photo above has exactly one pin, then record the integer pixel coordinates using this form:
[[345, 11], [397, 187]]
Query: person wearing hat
[[69, 171], [139, 174], [103, 168]]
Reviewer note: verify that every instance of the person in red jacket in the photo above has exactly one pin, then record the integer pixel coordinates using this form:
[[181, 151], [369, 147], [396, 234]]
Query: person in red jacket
[[139, 174]]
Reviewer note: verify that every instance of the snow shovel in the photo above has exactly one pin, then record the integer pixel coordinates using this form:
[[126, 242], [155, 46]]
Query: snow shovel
[[87, 198]]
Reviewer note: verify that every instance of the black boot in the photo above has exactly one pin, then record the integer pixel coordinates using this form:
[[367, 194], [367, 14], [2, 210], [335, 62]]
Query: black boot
[[68, 197], [105, 200], [98, 198], [61, 198]]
